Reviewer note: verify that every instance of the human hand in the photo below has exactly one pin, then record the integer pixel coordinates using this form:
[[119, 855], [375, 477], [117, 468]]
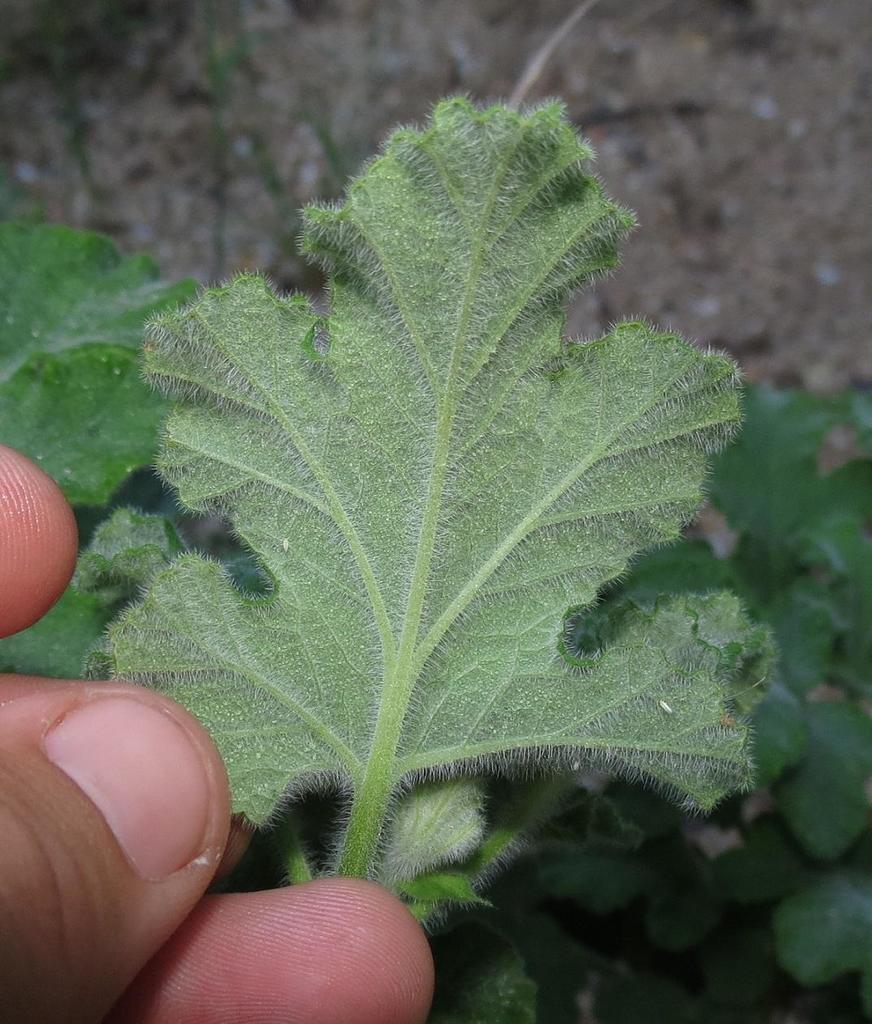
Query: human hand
[[114, 818]]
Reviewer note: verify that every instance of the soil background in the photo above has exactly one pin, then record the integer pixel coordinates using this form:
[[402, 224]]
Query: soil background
[[739, 130]]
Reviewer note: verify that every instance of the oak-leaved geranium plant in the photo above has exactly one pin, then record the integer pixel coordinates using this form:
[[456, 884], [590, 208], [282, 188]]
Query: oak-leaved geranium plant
[[436, 483]]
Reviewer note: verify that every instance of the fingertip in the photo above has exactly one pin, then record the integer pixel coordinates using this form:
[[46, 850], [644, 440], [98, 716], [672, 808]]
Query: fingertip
[[38, 540], [393, 948], [332, 951]]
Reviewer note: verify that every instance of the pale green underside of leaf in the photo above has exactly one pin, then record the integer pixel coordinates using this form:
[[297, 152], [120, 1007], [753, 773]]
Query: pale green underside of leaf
[[432, 477], [71, 318]]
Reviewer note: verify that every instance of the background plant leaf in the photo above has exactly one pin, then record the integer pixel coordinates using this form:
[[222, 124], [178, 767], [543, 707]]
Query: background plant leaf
[[780, 443], [826, 930], [125, 552], [59, 643], [763, 870], [642, 998], [481, 981], [824, 799], [73, 315], [844, 546]]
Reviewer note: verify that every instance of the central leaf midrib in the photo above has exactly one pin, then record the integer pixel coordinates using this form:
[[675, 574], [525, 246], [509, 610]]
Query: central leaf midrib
[[444, 430], [398, 681]]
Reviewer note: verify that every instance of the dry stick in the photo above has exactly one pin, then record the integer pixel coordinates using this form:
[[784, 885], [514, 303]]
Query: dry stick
[[536, 64]]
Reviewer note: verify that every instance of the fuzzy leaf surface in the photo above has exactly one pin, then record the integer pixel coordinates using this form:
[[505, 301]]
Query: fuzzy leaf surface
[[124, 554], [73, 313], [432, 476]]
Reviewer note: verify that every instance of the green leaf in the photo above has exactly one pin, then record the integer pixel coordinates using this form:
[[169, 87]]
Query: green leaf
[[689, 567], [779, 444], [556, 962], [436, 823], [738, 966], [861, 417], [642, 999], [763, 870], [432, 476], [125, 553], [59, 643], [591, 821], [480, 979], [824, 799], [679, 917], [73, 314], [843, 545], [802, 620], [826, 930], [647, 811], [683, 905], [438, 887], [780, 734], [600, 880]]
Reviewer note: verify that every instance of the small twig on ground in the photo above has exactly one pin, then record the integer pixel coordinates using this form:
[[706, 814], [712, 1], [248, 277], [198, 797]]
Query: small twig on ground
[[536, 64]]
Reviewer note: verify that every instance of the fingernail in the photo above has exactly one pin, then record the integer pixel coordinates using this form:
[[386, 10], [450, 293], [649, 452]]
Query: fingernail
[[144, 774]]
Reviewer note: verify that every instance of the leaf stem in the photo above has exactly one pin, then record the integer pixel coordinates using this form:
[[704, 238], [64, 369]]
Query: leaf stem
[[291, 851]]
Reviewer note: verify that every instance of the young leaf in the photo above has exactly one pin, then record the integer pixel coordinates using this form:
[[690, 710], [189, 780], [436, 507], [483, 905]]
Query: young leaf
[[73, 312], [435, 823], [432, 476], [440, 886], [124, 554]]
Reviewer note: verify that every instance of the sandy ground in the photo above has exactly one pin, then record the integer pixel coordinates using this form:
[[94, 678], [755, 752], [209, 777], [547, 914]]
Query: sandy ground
[[738, 129]]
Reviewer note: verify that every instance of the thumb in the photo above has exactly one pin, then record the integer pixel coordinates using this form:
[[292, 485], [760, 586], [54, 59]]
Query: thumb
[[113, 818]]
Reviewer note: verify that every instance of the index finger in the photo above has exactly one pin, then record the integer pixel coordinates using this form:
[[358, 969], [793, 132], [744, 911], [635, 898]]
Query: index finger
[[38, 540]]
